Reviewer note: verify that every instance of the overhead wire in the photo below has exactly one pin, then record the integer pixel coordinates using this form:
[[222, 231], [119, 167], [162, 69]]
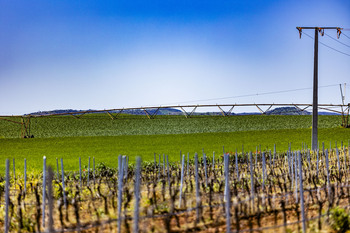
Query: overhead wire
[[337, 40], [327, 45], [257, 94], [343, 34]]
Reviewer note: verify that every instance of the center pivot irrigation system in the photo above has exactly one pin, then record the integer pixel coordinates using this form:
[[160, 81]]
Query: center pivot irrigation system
[[187, 110]]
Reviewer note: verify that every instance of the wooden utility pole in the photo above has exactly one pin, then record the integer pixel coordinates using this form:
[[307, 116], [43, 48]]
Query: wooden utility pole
[[314, 135]]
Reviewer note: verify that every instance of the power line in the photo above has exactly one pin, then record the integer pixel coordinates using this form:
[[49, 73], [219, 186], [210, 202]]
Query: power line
[[257, 94], [328, 45], [345, 35], [337, 40]]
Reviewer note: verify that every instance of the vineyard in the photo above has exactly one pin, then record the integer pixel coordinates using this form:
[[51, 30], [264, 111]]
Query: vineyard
[[263, 191]]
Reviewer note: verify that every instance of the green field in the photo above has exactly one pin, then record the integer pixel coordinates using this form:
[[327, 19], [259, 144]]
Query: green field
[[100, 137]]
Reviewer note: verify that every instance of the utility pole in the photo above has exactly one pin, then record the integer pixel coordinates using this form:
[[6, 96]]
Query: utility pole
[[314, 135]]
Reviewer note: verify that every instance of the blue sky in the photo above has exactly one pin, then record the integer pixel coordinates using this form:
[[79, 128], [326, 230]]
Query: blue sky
[[112, 54]]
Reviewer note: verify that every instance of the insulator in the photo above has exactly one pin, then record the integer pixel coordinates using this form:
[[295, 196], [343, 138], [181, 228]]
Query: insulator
[[338, 32]]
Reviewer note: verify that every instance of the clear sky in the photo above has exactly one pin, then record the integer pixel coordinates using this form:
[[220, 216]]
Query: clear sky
[[111, 54]]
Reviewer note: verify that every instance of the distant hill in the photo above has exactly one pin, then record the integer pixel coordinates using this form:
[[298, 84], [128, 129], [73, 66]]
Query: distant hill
[[163, 111], [172, 111], [287, 111], [295, 111]]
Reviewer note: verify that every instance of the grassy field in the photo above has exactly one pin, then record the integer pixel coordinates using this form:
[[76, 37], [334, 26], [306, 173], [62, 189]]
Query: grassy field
[[102, 125], [102, 138]]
